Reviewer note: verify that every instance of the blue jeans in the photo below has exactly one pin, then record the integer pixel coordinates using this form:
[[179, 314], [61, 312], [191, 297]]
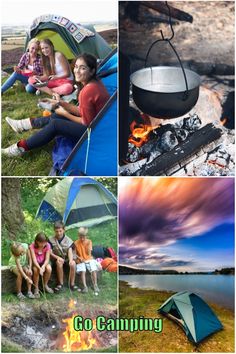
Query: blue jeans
[[17, 77], [52, 126]]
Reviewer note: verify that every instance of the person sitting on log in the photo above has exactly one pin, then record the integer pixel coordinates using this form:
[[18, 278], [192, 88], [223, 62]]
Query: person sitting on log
[[21, 265], [62, 254], [85, 260], [40, 251]]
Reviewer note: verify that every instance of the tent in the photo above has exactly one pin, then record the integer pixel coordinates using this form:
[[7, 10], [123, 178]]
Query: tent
[[78, 202], [95, 154], [193, 314], [67, 37]]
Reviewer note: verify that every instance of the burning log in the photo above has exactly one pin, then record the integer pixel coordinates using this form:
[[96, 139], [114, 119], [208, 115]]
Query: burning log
[[195, 142]]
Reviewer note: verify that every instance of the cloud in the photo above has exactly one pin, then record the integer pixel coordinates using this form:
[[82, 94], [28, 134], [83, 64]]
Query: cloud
[[160, 211]]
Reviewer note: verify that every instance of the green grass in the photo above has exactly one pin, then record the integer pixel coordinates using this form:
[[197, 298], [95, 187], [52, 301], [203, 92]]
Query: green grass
[[18, 104], [138, 302]]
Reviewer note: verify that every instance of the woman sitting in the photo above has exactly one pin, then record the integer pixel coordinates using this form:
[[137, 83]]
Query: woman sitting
[[57, 76], [69, 120], [30, 64]]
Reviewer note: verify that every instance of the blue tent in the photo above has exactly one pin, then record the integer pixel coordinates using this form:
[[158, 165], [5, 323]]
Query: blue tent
[[195, 317], [95, 154], [78, 202]]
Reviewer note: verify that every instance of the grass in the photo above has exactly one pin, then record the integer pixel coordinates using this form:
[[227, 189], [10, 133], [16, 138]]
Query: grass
[[135, 302], [18, 104]]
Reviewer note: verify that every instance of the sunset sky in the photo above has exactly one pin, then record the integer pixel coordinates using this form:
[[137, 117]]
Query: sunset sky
[[186, 224]]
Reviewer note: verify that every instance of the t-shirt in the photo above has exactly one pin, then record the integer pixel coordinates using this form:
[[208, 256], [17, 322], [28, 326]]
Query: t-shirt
[[22, 259], [92, 98], [40, 254], [83, 250], [61, 247]]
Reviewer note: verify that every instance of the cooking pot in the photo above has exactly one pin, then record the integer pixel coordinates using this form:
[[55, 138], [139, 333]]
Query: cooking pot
[[164, 91]]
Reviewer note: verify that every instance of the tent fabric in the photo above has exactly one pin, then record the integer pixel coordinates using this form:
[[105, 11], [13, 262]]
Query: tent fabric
[[95, 154], [78, 202], [69, 38], [196, 317]]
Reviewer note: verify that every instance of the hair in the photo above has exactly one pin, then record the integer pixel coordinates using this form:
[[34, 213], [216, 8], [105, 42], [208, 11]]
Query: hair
[[83, 231], [48, 63], [91, 62], [59, 225], [33, 40], [15, 248], [40, 237]]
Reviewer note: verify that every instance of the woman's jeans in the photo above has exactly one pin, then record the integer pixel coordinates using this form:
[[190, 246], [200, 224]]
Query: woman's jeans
[[52, 126], [17, 77]]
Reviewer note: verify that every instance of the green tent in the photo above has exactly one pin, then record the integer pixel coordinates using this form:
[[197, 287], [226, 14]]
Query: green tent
[[193, 314], [67, 37], [78, 202]]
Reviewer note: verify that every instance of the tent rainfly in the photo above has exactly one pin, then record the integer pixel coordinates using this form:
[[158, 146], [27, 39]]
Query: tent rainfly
[[78, 202], [193, 314]]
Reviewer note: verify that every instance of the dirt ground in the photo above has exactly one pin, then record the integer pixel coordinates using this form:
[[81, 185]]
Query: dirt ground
[[209, 39]]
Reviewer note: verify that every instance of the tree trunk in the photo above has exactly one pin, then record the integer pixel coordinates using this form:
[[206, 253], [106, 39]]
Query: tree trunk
[[12, 214]]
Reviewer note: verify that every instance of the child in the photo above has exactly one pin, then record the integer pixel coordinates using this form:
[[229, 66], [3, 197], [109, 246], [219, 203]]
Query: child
[[85, 260], [40, 252], [21, 265], [62, 255]]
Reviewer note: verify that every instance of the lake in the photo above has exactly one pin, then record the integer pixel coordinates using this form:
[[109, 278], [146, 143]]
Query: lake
[[218, 289]]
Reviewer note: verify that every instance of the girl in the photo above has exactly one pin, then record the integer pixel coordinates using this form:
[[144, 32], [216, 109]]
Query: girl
[[21, 265], [57, 76], [30, 64], [40, 252], [69, 120]]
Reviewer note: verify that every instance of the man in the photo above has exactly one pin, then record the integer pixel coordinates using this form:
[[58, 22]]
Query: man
[[63, 254], [85, 259]]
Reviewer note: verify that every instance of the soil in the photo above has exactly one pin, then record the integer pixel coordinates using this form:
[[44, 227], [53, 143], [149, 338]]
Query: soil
[[209, 40]]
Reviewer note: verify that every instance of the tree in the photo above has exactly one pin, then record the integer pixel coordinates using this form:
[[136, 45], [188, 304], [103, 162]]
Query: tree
[[12, 214]]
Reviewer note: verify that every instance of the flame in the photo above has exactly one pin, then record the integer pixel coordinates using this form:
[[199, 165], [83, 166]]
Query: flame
[[75, 341], [139, 133], [223, 121]]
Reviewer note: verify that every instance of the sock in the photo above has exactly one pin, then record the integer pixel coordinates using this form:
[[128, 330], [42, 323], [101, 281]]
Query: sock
[[22, 144]]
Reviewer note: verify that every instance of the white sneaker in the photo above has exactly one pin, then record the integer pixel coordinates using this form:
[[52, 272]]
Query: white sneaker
[[19, 125], [38, 92], [13, 150]]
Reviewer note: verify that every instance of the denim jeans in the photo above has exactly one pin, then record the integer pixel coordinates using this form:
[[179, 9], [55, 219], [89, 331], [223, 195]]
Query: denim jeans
[[54, 125], [17, 77]]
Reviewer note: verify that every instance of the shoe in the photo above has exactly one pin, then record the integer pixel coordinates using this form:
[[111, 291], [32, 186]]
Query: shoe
[[21, 297], [74, 287], [96, 289], [48, 289], [36, 294], [19, 125], [84, 290], [38, 92], [44, 104], [13, 151], [30, 295], [58, 288]]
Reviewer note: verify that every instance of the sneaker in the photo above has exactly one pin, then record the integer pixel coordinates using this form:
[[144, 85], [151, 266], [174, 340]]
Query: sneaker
[[30, 295], [36, 294], [96, 289], [13, 151], [74, 287], [38, 92], [21, 297], [58, 288], [84, 290], [19, 125], [48, 289]]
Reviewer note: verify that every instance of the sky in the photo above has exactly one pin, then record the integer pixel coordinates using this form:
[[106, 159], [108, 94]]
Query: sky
[[15, 12], [185, 224]]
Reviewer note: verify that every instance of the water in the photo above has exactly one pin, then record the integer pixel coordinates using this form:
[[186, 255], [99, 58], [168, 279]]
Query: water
[[218, 289]]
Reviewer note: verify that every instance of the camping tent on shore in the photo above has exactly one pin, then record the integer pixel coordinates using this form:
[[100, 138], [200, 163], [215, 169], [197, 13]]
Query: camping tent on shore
[[192, 313]]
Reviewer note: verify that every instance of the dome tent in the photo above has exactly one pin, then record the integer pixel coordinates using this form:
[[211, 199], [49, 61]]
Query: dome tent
[[193, 314], [67, 37], [78, 202]]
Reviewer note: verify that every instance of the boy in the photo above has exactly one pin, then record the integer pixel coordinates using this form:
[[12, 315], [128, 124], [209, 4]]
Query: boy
[[62, 254], [85, 260]]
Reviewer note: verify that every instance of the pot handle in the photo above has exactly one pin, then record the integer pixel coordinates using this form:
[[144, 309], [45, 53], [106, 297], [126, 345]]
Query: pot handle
[[186, 93]]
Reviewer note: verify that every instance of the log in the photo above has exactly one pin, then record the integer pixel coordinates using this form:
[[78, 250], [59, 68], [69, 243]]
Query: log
[[191, 145], [9, 280], [161, 7]]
